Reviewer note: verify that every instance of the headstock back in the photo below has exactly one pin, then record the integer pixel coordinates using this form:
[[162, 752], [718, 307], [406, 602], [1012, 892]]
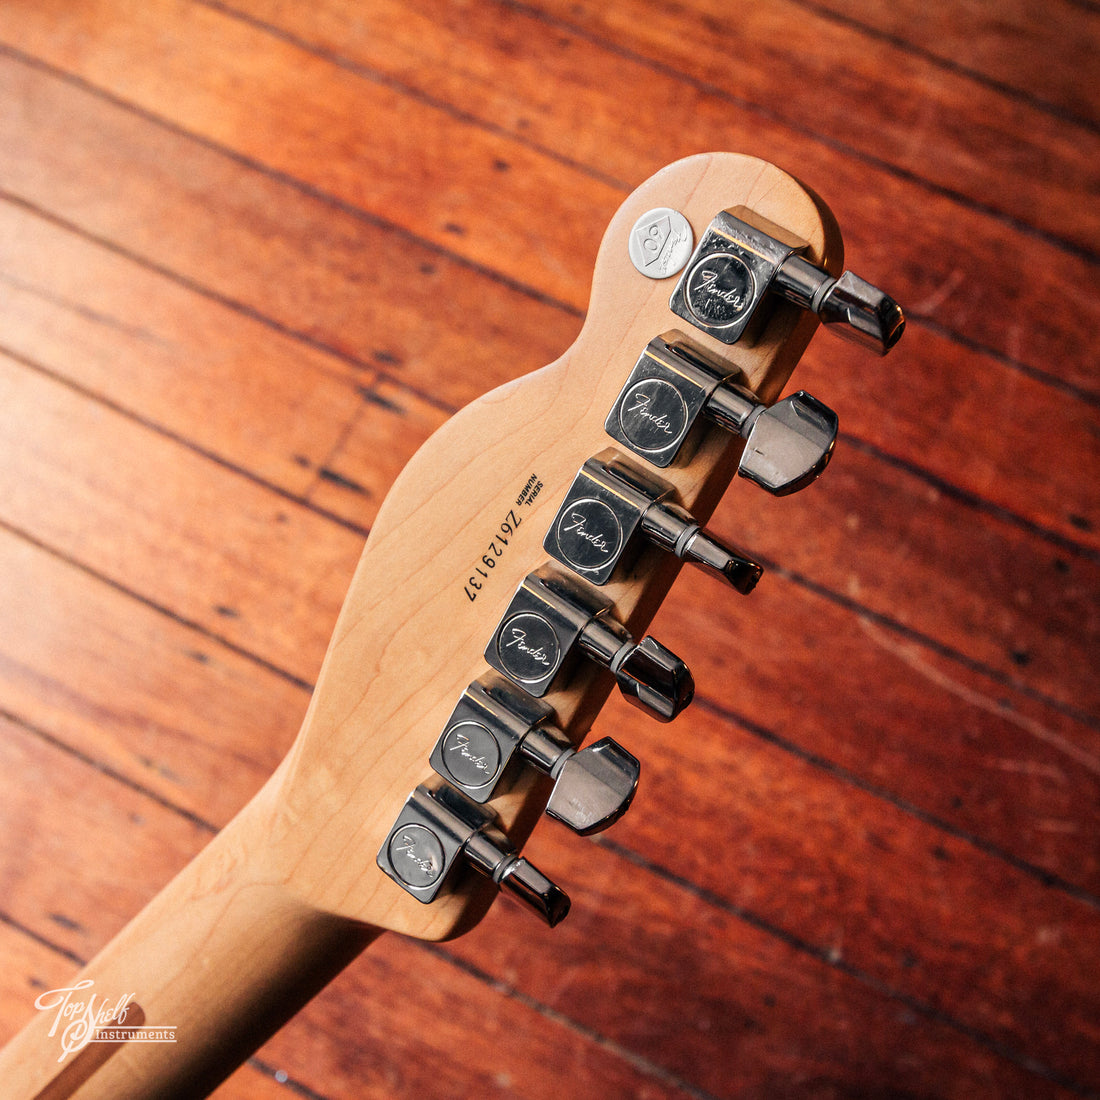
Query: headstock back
[[464, 525]]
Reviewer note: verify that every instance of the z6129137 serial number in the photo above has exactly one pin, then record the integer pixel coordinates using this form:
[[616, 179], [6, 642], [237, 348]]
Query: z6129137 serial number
[[496, 548]]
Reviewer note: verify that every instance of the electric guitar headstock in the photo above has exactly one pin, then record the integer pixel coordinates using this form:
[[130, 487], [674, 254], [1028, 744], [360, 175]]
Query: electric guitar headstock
[[516, 563]]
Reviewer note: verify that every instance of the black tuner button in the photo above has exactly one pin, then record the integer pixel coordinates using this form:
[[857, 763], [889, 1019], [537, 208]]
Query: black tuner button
[[787, 445], [553, 620], [743, 259], [612, 508]]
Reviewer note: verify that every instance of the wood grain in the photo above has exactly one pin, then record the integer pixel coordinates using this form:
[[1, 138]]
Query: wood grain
[[251, 257]]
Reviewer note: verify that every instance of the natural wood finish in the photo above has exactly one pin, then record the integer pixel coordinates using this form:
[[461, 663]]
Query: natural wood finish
[[251, 256], [409, 638]]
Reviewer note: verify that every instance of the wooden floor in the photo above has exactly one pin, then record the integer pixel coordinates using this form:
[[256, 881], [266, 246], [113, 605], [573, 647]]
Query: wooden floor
[[252, 253]]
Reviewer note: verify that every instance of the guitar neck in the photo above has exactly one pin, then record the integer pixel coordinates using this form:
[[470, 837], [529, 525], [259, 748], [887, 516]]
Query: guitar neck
[[213, 966]]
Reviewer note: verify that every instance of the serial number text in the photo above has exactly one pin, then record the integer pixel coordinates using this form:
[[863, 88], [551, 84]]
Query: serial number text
[[495, 549]]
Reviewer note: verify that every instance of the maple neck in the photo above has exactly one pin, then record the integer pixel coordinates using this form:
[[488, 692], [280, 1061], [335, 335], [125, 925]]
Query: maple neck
[[211, 968]]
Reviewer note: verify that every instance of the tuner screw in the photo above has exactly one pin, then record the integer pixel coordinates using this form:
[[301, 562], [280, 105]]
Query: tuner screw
[[495, 725], [552, 620], [437, 830], [673, 390], [743, 256], [611, 502]]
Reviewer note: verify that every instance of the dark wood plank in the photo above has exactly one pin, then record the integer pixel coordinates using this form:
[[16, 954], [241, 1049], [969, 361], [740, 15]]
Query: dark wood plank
[[268, 245], [979, 754], [454, 155], [221, 551], [172, 357], [103, 674], [826, 78], [885, 540], [861, 883], [1040, 53]]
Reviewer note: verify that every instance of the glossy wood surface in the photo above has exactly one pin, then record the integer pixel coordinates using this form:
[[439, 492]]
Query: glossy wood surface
[[253, 253]]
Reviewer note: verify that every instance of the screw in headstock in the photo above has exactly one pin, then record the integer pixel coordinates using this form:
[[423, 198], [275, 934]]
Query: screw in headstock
[[742, 258], [673, 390], [495, 727], [552, 620], [611, 507], [439, 830]]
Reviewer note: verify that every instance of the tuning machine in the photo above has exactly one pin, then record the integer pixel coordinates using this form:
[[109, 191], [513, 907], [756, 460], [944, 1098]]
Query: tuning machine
[[439, 830], [743, 258], [552, 620], [673, 389], [612, 507], [496, 727]]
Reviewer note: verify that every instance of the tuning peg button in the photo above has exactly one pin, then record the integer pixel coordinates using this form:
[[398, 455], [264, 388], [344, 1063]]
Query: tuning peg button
[[742, 258], [653, 678], [787, 445], [439, 830], [593, 788], [552, 620], [673, 391], [850, 306], [611, 507]]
